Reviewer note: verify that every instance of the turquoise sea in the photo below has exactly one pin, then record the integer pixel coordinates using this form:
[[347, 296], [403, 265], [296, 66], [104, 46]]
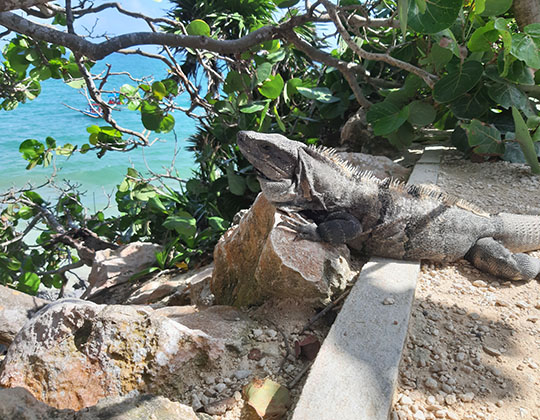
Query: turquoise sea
[[46, 116]]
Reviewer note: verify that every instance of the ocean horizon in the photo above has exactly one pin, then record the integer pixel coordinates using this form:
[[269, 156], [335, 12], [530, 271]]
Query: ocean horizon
[[47, 116]]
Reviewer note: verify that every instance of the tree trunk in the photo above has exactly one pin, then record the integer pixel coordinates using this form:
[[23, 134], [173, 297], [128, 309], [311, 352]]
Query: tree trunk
[[526, 12]]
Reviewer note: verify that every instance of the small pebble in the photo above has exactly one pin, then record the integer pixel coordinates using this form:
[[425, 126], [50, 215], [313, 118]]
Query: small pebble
[[271, 334], [242, 374], [419, 415], [467, 397], [389, 301], [522, 304], [479, 283], [450, 399], [431, 383], [491, 351], [406, 400], [220, 387]]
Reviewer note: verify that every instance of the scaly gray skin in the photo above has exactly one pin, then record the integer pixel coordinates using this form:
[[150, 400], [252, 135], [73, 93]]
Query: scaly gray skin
[[387, 218]]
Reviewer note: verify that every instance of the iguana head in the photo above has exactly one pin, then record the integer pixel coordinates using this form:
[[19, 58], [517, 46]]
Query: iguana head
[[291, 174], [275, 158]]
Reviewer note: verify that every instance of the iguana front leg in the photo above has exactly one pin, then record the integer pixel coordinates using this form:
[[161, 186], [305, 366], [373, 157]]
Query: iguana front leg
[[492, 257], [338, 228]]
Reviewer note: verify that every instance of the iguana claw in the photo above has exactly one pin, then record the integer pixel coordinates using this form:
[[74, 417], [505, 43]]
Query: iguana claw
[[303, 228]]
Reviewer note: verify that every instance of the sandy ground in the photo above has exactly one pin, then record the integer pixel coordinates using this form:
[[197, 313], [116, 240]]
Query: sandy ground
[[473, 350]]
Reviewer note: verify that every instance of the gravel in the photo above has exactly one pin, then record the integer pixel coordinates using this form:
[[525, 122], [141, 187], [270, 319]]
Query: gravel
[[476, 336]]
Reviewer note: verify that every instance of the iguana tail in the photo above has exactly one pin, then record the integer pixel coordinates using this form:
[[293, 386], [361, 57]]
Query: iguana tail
[[517, 232]]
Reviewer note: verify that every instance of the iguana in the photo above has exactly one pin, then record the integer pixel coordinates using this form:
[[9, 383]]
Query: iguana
[[387, 218]]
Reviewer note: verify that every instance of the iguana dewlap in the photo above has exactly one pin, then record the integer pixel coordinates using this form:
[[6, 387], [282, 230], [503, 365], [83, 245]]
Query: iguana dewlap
[[385, 217]]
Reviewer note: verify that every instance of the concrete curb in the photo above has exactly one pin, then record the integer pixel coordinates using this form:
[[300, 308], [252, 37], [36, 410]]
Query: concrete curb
[[355, 373]]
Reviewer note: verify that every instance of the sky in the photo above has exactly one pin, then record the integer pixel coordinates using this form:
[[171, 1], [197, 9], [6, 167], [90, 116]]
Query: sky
[[115, 23]]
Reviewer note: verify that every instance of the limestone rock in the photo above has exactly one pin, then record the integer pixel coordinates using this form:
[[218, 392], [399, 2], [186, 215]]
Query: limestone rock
[[15, 309], [381, 166], [115, 266], [19, 404], [184, 286], [257, 260], [73, 353]]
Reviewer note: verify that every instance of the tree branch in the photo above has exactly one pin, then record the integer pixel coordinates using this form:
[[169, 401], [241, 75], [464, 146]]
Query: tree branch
[[424, 75], [103, 49], [6, 5]]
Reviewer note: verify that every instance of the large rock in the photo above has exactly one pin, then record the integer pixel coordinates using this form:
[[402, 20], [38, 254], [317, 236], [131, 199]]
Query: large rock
[[73, 353], [112, 267], [257, 260], [179, 289], [19, 404], [15, 309]]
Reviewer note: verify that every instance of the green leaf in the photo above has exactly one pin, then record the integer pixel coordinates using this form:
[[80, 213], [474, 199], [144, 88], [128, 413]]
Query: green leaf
[[403, 137], [156, 204], [237, 183], [25, 212], [198, 27], [183, 223], [195, 186], [263, 71], [438, 15], [31, 149], [218, 224], [533, 30], [235, 82], [144, 193], [76, 83], [151, 115], [523, 137], [453, 85], [284, 4], [34, 197], [421, 4], [484, 139], [167, 124], [471, 105], [290, 88], [278, 120], [253, 107], [159, 90], [524, 48], [65, 150], [93, 129], [128, 90], [483, 37], [386, 117], [421, 113], [51, 143], [272, 87], [403, 6], [507, 95], [29, 283], [321, 94], [496, 7]]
